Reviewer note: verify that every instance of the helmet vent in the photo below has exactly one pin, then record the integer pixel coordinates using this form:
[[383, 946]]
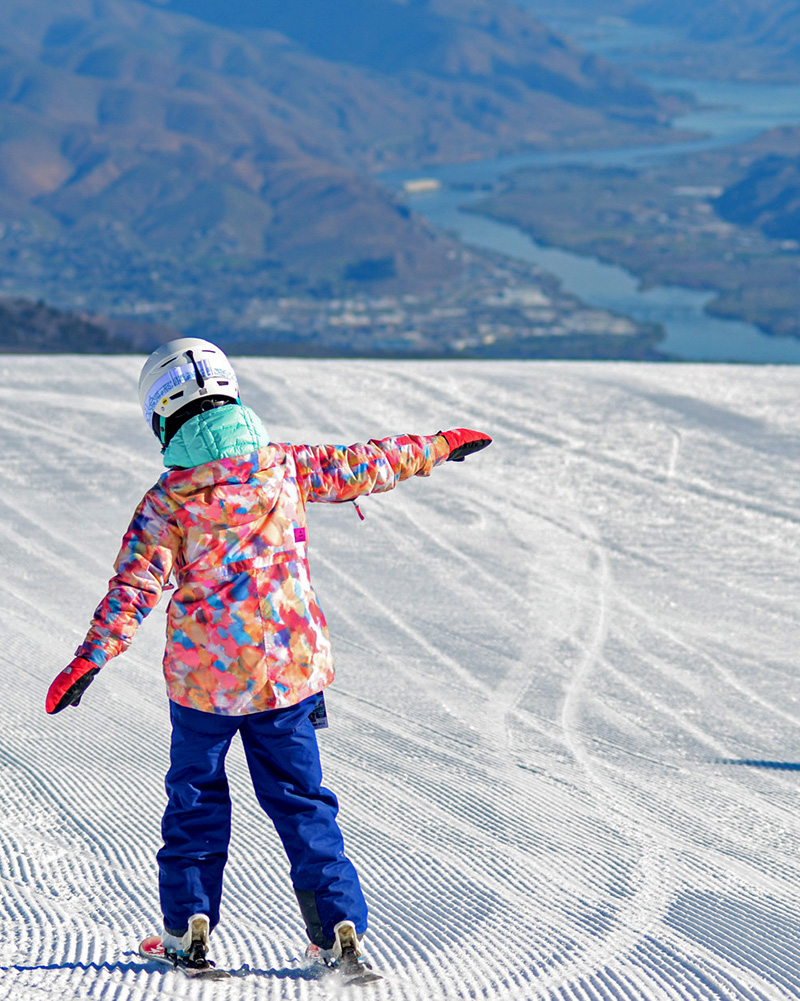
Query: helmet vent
[[201, 382]]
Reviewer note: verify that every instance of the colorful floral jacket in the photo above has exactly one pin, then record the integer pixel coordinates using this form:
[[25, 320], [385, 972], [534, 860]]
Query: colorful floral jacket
[[245, 631]]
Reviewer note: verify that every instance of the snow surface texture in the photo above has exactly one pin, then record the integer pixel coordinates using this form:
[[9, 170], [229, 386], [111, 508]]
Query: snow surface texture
[[565, 726]]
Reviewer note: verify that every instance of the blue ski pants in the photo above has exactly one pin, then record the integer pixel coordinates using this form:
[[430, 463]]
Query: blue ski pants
[[282, 755]]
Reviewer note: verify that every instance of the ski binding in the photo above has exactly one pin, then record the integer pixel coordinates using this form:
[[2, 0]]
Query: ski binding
[[197, 969]]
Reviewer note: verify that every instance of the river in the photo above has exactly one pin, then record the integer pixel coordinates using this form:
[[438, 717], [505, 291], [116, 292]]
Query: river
[[729, 112]]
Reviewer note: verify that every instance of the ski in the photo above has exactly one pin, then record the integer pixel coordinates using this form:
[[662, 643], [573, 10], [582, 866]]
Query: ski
[[352, 971], [358, 976], [203, 969]]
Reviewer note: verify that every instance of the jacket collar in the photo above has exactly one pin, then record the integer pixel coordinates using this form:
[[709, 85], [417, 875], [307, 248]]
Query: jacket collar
[[221, 433]]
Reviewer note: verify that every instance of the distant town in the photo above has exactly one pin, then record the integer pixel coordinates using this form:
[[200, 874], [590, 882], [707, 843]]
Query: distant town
[[497, 307]]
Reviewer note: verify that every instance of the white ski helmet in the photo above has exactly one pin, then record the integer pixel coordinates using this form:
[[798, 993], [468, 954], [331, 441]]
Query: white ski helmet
[[179, 372]]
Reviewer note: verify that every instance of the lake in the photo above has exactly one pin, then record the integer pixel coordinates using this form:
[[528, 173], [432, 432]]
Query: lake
[[728, 112]]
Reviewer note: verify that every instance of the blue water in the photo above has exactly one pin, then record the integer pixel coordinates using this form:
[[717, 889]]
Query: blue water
[[729, 112]]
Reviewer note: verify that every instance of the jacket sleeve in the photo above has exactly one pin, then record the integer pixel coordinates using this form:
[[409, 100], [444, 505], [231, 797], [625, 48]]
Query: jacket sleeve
[[342, 473], [143, 566]]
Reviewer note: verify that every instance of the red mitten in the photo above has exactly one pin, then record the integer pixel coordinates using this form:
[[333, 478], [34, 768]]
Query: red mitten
[[463, 442], [70, 685]]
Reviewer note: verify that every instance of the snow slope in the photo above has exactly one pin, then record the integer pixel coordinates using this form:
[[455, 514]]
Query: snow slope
[[565, 727]]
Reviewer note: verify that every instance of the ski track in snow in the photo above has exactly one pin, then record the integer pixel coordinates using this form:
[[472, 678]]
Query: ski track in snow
[[564, 731]]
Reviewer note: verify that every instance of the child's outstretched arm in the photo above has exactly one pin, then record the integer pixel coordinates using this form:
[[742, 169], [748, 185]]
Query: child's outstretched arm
[[340, 473], [142, 569]]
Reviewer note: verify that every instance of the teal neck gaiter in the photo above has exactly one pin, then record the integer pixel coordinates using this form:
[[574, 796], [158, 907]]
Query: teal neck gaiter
[[221, 433]]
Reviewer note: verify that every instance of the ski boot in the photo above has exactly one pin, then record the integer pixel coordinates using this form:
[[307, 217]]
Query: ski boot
[[345, 957], [187, 952]]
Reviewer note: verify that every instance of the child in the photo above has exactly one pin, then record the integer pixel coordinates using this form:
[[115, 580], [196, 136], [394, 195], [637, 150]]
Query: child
[[247, 648]]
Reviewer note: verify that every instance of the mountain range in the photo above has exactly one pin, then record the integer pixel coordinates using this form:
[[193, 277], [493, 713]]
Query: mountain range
[[773, 23], [767, 197], [212, 131], [720, 39]]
